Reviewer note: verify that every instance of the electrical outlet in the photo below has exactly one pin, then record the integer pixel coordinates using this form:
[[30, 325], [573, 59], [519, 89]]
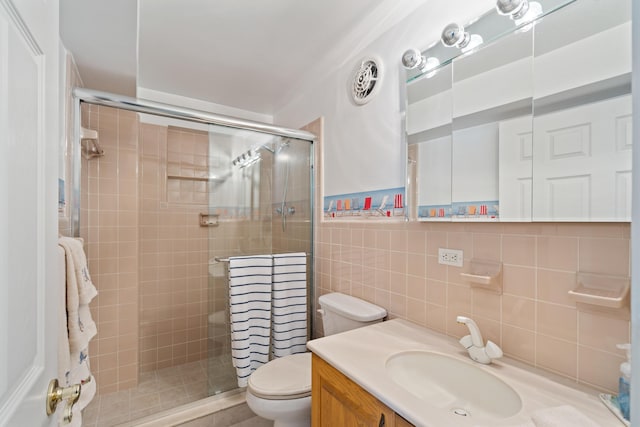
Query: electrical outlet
[[450, 257]]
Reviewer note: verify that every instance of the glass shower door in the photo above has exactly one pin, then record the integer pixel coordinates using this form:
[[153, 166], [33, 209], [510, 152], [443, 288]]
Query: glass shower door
[[259, 203]]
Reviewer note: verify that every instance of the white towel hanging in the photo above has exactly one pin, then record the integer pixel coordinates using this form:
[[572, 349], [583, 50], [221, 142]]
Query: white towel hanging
[[76, 327], [250, 313], [289, 317]]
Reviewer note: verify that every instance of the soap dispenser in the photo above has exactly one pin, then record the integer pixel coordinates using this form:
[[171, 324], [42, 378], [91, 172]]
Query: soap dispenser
[[624, 382]]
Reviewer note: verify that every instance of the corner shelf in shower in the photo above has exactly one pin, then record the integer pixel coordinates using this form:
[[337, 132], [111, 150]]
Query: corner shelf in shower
[[188, 178], [209, 220]]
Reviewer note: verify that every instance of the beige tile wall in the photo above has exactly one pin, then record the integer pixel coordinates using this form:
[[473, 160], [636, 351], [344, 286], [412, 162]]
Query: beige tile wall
[[173, 247], [132, 231], [109, 225], [534, 320]]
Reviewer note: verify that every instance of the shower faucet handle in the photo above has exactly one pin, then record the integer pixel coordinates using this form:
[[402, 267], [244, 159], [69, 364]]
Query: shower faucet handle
[[287, 210]]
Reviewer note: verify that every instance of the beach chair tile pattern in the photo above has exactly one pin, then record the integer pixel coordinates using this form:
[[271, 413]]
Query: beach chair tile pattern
[[387, 203], [484, 209]]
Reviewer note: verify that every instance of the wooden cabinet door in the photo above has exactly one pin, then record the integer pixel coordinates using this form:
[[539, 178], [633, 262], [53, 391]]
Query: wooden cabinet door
[[401, 422], [338, 401]]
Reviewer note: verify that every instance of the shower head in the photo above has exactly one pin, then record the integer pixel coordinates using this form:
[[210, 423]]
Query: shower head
[[284, 144], [252, 155], [91, 148], [89, 143]]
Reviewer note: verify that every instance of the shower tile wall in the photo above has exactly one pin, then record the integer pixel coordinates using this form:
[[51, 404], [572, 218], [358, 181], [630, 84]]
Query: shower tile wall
[[109, 226], [173, 246]]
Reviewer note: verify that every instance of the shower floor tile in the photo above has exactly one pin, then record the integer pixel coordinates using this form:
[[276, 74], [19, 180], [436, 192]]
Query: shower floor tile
[[156, 391]]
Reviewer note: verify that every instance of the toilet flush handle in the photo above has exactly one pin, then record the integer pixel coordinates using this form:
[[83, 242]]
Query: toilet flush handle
[[321, 312]]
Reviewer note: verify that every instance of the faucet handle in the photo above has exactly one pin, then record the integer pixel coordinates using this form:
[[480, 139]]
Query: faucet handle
[[493, 351], [466, 341]]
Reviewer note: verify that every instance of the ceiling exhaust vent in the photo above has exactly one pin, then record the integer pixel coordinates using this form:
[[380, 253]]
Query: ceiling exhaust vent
[[366, 80]]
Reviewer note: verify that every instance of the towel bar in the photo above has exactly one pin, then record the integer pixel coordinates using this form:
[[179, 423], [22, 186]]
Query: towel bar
[[220, 259]]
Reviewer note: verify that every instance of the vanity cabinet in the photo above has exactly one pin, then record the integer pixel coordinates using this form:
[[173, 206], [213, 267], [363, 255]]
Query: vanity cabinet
[[338, 401]]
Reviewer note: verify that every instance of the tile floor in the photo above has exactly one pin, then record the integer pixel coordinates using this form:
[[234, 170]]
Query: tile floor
[[237, 416], [159, 390]]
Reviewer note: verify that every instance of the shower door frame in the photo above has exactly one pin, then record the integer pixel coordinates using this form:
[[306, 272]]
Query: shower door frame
[[122, 102], [96, 97]]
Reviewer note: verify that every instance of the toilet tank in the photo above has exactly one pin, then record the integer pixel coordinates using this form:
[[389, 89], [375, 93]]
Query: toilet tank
[[342, 312]]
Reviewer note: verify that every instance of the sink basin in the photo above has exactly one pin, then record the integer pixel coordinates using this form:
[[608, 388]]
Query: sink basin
[[454, 385]]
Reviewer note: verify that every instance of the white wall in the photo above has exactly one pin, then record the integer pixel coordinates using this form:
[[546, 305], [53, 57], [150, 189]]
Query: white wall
[[363, 145], [198, 104]]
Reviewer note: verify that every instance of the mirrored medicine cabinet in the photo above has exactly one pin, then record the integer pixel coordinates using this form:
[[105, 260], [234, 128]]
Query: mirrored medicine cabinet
[[533, 124]]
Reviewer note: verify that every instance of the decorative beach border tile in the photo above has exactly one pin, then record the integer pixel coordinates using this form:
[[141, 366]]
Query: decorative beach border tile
[[380, 204]]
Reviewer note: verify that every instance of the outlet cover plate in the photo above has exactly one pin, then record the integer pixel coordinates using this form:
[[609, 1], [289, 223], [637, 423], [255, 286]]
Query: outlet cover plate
[[452, 257]]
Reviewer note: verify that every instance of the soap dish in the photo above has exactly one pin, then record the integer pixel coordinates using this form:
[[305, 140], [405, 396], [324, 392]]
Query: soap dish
[[601, 290], [484, 275]]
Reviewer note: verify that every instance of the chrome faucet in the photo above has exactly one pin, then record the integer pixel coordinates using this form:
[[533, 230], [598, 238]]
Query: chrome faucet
[[474, 343]]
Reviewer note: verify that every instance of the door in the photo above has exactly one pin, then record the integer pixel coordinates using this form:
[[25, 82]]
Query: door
[[515, 164], [28, 208], [582, 163]]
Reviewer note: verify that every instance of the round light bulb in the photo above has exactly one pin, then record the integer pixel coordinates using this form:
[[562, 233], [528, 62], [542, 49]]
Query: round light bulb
[[454, 35], [412, 58]]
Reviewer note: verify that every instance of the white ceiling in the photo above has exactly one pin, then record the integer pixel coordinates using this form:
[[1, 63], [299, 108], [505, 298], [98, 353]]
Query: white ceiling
[[246, 54], [102, 37]]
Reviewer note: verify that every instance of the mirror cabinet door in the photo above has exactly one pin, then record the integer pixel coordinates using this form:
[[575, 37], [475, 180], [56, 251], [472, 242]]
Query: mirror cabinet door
[[582, 104], [532, 125], [429, 137], [492, 114]]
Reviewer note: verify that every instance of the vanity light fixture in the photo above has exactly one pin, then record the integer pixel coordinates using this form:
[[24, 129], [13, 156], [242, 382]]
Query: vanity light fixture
[[454, 35], [516, 9], [412, 59], [520, 11]]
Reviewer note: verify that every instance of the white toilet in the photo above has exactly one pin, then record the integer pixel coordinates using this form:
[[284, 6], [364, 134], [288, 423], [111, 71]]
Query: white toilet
[[281, 389]]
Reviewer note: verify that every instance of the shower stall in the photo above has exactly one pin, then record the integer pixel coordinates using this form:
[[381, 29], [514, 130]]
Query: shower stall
[[164, 196]]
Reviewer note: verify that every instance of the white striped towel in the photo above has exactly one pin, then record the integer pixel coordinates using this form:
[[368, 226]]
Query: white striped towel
[[250, 309], [289, 317]]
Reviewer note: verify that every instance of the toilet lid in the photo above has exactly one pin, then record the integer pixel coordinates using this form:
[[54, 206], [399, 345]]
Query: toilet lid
[[287, 377]]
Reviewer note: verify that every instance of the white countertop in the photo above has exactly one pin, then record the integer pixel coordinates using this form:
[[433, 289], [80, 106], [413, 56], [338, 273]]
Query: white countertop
[[361, 355]]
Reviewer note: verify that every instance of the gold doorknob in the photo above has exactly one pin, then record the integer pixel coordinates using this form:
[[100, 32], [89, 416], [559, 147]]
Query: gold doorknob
[[55, 394]]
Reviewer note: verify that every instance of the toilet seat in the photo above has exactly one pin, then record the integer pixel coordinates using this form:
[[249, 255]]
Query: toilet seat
[[284, 378]]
